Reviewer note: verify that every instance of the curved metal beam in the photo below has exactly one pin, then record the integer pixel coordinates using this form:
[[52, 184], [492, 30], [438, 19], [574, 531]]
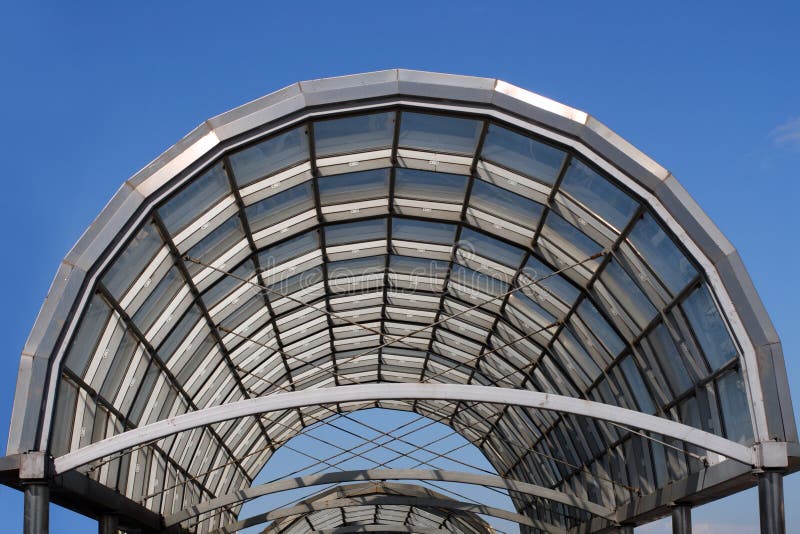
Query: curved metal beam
[[381, 528], [388, 474], [389, 500], [410, 391]]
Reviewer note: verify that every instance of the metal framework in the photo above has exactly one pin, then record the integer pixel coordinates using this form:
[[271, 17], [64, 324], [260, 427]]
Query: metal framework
[[453, 246], [420, 509]]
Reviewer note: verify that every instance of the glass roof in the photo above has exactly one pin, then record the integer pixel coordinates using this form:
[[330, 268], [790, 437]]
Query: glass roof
[[402, 246]]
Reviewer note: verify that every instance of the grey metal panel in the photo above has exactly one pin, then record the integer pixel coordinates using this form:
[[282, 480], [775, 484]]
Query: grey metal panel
[[171, 153], [693, 219], [36, 353], [352, 87], [119, 210], [446, 86], [622, 154], [258, 112]]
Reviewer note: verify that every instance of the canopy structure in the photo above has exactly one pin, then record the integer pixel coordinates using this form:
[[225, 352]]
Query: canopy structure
[[454, 246]]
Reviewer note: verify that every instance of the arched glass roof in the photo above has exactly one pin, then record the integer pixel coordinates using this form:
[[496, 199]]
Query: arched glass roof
[[403, 227], [360, 508]]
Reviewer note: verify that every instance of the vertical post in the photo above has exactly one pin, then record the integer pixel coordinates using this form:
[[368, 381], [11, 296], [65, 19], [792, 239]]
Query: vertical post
[[770, 502], [37, 508], [625, 529], [108, 524], [681, 519]]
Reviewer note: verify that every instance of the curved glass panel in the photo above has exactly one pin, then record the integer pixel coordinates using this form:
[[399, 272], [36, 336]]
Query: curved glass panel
[[522, 154]]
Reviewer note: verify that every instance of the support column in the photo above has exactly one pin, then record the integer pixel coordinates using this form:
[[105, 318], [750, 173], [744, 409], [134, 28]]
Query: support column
[[625, 529], [108, 524], [770, 502], [37, 508], [681, 519]]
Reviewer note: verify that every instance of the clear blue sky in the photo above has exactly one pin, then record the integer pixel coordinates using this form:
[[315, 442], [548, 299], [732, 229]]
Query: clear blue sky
[[92, 93]]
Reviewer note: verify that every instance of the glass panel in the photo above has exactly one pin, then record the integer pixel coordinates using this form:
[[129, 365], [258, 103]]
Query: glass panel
[[354, 187], [418, 266], [194, 199], [505, 204], [481, 282], [558, 230], [557, 285], [427, 185], [523, 154], [735, 409], [423, 231], [130, 264], [85, 341], [483, 245], [670, 359], [708, 327], [287, 250], [215, 244], [353, 134], [158, 300], [270, 156], [628, 294], [600, 327], [65, 416], [438, 133], [280, 207], [662, 254], [637, 385], [598, 194], [370, 230]]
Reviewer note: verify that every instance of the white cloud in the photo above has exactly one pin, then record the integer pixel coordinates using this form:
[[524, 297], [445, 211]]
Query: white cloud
[[787, 134]]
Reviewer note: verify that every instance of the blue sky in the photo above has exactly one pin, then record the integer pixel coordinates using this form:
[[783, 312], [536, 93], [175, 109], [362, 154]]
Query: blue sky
[[93, 92]]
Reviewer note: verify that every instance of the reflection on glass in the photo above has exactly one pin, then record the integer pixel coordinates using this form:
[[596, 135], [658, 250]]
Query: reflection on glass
[[280, 207], [270, 156], [130, 264], [439, 133], [708, 327], [482, 245], [522, 154], [662, 254], [353, 134], [297, 246], [194, 199], [505, 204], [628, 294], [670, 359], [215, 244], [735, 408], [423, 231], [637, 385], [431, 186], [353, 232], [598, 194], [354, 186]]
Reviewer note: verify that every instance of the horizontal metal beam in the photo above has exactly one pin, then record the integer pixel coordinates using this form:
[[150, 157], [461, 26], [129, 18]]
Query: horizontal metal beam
[[389, 500], [388, 474], [411, 391]]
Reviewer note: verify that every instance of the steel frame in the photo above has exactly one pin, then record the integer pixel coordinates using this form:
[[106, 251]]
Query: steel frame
[[768, 393]]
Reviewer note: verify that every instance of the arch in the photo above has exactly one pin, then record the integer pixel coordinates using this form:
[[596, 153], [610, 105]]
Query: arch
[[369, 392], [387, 494], [389, 474], [165, 313]]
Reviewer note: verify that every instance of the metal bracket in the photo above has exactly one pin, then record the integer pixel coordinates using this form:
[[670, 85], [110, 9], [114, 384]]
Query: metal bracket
[[35, 465]]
